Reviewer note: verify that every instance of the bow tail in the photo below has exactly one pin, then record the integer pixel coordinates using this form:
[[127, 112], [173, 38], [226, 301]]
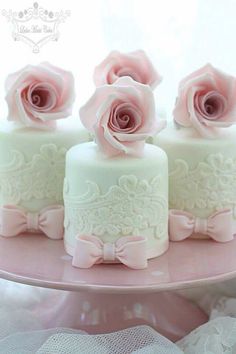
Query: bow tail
[[221, 226], [12, 221]]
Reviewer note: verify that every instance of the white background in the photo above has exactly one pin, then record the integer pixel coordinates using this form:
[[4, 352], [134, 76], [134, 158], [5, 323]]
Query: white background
[[179, 36]]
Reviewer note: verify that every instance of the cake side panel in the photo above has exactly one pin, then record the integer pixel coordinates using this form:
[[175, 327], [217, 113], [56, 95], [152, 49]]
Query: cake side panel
[[32, 164], [202, 173], [112, 198]]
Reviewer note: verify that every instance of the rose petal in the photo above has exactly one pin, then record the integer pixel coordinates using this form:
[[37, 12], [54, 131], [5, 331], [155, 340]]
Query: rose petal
[[104, 144], [211, 105], [204, 82], [104, 113], [142, 94], [122, 116], [195, 120], [135, 64], [47, 96], [29, 120], [131, 115], [141, 136], [119, 92], [55, 86]]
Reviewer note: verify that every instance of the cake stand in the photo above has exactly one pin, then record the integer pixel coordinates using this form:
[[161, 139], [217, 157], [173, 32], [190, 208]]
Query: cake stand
[[112, 297]]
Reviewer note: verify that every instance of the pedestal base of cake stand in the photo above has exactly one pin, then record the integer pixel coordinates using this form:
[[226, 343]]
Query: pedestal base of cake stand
[[166, 312], [111, 297]]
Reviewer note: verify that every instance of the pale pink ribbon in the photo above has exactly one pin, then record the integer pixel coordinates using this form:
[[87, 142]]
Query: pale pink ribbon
[[15, 221], [129, 250], [218, 226]]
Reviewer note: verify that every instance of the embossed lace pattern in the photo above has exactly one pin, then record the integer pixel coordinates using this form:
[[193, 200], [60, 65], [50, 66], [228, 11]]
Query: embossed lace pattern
[[211, 185], [127, 208], [41, 177]]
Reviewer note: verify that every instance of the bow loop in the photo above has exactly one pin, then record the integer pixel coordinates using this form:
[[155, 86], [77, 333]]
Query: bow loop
[[12, 221], [181, 225], [129, 250], [218, 226], [51, 221], [88, 251], [15, 221]]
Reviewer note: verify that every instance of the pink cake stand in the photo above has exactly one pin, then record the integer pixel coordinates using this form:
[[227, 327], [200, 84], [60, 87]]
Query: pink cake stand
[[111, 297]]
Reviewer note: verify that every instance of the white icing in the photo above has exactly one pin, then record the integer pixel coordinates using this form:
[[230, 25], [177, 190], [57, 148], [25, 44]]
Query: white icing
[[111, 198], [202, 172], [39, 178], [32, 163]]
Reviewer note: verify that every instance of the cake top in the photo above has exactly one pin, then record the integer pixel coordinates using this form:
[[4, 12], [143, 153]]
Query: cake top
[[206, 101], [89, 153], [39, 95]]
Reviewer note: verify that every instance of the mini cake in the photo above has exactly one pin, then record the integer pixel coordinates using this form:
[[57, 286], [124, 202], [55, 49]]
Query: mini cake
[[201, 150], [33, 145], [116, 191]]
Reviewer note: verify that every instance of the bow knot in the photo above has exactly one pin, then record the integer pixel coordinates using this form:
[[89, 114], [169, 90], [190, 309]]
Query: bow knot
[[200, 226], [109, 252], [218, 226], [129, 250], [32, 220], [15, 221]]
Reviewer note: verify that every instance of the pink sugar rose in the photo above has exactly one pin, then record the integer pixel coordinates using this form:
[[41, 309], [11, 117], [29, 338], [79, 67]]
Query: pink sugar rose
[[121, 116], [206, 101], [135, 64], [38, 95]]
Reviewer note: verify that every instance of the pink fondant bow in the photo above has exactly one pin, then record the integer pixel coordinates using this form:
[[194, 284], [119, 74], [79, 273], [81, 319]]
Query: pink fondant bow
[[218, 226], [129, 250], [14, 221]]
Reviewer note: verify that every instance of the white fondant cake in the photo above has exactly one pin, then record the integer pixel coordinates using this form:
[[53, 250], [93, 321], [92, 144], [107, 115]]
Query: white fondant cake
[[115, 197], [202, 162], [202, 172], [32, 163]]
